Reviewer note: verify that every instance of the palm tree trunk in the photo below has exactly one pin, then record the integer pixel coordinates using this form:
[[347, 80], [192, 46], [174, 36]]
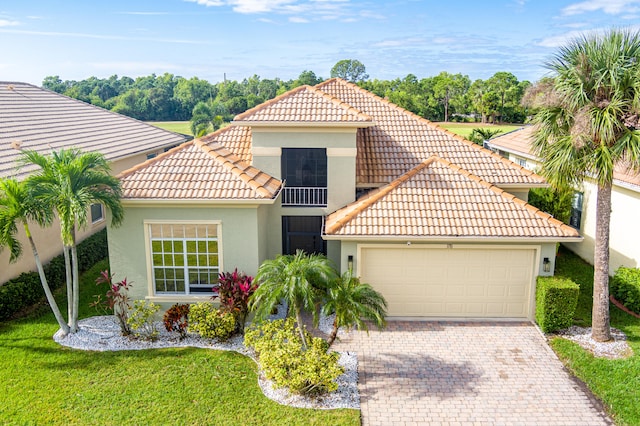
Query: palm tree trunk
[[301, 327], [67, 267], [45, 285], [601, 330], [334, 332], [76, 289]]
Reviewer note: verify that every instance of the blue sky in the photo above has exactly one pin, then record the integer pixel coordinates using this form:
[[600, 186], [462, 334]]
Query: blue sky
[[281, 38]]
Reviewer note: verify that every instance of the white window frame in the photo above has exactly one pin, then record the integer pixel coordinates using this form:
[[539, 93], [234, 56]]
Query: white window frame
[[187, 295], [522, 162], [101, 218]]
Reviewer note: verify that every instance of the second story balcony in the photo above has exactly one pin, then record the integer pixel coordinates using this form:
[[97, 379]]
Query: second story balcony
[[304, 196]]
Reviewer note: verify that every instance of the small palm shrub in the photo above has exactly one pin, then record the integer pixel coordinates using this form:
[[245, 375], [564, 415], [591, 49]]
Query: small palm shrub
[[234, 290], [210, 322], [141, 319], [284, 360], [177, 319]]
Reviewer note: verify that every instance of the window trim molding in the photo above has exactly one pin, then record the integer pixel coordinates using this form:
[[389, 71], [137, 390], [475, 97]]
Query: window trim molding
[[151, 292]]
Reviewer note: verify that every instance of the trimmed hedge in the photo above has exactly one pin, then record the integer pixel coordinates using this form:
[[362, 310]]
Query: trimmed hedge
[[556, 301], [26, 290], [625, 287]]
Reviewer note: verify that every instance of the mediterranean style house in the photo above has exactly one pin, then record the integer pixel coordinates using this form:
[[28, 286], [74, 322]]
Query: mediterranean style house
[[439, 225], [37, 119], [625, 202]]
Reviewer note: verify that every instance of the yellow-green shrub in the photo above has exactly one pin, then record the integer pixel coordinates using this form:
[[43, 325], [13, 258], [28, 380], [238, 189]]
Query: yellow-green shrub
[[283, 359], [210, 322], [625, 287]]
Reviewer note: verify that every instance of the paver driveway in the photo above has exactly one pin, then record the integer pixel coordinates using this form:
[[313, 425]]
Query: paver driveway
[[465, 373]]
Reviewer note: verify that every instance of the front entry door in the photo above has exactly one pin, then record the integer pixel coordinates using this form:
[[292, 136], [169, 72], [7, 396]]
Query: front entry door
[[302, 233]]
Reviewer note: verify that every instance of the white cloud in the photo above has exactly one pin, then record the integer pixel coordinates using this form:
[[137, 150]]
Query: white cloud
[[563, 39], [610, 7], [7, 23], [298, 20], [144, 13]]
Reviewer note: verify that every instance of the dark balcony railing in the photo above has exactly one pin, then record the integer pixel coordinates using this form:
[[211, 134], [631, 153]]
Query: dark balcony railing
[[304, 197]]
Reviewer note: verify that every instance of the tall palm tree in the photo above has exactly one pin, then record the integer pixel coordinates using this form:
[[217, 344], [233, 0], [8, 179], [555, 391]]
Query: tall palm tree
[[299, 279], [588, 124], [69, 182], [17, 206], [353, 302]]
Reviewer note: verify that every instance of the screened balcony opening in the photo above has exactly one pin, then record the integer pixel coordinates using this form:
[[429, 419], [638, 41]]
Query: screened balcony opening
[[305, 173]]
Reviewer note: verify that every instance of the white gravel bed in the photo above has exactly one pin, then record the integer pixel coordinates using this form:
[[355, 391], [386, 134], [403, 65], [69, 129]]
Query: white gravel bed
[[102, 333], [614, 349]]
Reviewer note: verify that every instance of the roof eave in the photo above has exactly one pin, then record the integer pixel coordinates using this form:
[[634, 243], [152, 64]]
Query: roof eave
[[342, 124], [411, 238], [196, 202]]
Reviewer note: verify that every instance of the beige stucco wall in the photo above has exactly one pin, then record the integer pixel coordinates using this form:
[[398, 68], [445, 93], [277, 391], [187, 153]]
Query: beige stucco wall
[[239, 243], [47, 242], [625, 227]]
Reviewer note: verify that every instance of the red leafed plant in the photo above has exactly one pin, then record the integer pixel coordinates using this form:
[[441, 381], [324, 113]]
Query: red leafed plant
[[234, 289], [177, 319], [117, 300]]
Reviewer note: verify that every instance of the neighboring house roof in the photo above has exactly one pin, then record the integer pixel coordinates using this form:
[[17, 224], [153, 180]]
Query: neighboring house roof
[[42, 120], [519, 142], [396, 142], [195, 171], [439, 199], [302, 106]]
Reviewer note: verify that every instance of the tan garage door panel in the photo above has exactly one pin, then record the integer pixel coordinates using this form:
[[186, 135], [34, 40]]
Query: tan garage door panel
[[451, 282]]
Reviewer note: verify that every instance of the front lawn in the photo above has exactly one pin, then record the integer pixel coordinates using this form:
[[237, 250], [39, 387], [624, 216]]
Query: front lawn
[[615, 382], [45, 383]]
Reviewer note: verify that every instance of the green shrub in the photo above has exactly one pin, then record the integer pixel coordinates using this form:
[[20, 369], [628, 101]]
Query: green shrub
[[141, 319], [625, 287], [284, 361], [210, 322], [556, 301], [26, 290]]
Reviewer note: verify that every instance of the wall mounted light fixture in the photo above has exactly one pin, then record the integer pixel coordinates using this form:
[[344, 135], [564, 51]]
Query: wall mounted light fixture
[[350, 262], [546, 265]]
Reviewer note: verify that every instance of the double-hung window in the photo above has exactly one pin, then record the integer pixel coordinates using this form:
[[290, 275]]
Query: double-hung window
[[185, 257], [576, 210], [97, 212]]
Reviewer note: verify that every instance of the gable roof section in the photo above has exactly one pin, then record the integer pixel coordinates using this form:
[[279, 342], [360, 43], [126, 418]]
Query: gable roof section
[[42, 120], [519, 142], [304, 106], [438, 199], [196, 171], [401, 140]]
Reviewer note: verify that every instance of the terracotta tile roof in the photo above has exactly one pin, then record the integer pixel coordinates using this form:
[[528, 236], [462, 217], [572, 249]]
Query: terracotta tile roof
[[43, 120], [197, 171], [301, 106], [401, 140], [439, 199], [519, 142]]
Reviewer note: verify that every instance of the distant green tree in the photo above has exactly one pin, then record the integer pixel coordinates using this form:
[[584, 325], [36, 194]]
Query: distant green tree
[[449, 89], [350, 69], [202, 119], [308, 77]]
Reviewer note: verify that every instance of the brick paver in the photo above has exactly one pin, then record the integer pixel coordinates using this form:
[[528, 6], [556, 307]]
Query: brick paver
[[462, 373]]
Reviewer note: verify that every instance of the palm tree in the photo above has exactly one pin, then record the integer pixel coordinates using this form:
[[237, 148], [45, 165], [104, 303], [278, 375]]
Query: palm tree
[[589, 123], [17, 206], [353, 302], [69, 182], [299, 279]]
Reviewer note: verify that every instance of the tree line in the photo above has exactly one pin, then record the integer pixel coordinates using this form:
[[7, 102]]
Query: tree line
[[166, 97]]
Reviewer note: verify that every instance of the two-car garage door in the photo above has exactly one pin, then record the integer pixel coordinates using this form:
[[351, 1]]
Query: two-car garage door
[[451, 282]]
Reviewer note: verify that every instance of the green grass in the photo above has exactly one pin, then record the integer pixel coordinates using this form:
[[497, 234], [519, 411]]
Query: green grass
[[465, 129], [615, 382], [183, 127], [45, 383]]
